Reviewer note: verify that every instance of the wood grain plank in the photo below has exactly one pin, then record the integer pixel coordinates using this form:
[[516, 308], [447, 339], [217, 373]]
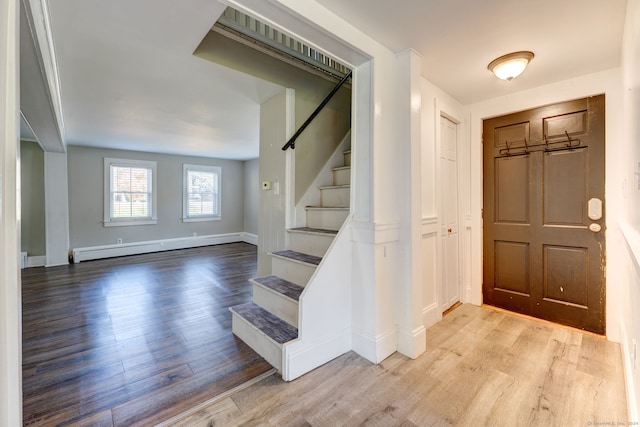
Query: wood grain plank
[[103, 339], [482, 367]]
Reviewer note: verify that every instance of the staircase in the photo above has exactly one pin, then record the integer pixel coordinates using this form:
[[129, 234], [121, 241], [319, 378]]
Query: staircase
[[271, 320]]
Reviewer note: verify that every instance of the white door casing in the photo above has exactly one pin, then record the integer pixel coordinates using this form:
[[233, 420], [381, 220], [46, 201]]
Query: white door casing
[[10, 293], [449, 219]]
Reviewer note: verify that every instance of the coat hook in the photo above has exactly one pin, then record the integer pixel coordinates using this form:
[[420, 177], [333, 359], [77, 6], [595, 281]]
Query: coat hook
[[546, 142], [568, 138]]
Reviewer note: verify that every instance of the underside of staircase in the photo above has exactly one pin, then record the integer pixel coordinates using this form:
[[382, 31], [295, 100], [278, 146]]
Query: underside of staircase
[[270, 321]]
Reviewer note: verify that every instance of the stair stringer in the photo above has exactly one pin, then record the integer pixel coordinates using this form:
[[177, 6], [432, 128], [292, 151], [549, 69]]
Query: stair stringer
[[311, 197], [324, 312]]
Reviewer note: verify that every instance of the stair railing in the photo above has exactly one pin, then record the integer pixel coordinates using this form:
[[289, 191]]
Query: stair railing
[[292, 141]]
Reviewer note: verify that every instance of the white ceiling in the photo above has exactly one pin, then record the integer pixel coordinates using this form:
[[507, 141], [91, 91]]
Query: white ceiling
[[458, 38], [129, 80]]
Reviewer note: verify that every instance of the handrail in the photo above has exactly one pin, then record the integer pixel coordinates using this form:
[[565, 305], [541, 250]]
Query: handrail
[[292, 141]]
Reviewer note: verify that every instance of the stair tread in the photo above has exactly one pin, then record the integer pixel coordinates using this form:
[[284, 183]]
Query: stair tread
[[299, 256], [344, 208], [281, 286], [340, 168], [270, 324], [326, 187], [314, 230]]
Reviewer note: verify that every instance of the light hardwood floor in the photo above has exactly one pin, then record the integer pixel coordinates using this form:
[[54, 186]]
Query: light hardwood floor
[[482, 367]]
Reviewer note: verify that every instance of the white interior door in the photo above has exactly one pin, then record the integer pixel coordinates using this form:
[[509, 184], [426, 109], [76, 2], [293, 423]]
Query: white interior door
[[450, 291]]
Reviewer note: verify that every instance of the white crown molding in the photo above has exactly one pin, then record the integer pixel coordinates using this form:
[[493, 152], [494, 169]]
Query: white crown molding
[[40, 22]]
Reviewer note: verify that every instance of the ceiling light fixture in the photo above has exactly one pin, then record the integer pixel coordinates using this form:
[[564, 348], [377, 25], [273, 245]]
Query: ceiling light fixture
[[511, 65]]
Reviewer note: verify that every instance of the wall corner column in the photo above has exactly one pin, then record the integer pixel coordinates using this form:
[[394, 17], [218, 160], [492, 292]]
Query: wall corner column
[[408, 294], [56, 195], [10, 288]]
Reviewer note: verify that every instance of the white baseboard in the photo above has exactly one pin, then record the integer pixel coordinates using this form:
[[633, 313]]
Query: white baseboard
[[632, 406], [250, 238], [136, 248], [431, 315], [300, 357], [375, 349], [36, 261], [412, 343]]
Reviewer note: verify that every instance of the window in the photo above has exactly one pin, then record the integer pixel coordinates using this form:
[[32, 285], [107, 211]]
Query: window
[[129, 191], [201, 197]]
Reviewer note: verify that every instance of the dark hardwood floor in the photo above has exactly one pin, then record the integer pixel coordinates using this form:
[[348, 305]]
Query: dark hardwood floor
[[134, 340]]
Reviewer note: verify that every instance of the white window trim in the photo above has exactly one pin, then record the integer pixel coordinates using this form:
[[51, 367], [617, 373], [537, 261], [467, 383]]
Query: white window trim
[[116, 222], [185, 199]]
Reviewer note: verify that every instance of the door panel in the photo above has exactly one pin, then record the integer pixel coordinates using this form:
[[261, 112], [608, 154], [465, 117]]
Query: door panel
[[511, 190], [512, 267], [450, 290], [572, 123], [541, 167], [513, 132], [565, 188], [566, 275]]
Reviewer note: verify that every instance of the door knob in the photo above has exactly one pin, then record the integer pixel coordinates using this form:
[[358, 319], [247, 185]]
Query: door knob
[[450, 230], [595, 227]]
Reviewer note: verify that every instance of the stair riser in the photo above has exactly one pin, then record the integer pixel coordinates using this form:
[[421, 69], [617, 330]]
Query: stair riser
[[347, 158], [342, 177], [335, 197], [292, 271], [312, 244], [276, 303], [327, 219], [265, 347]]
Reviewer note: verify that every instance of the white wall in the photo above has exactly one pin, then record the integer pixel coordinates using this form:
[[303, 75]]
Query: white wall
[[274, 114], [32, 185], [56, 199], [408, 292], [86, 213], [629, 158], [251, 195], [436, 103], [10, 292]]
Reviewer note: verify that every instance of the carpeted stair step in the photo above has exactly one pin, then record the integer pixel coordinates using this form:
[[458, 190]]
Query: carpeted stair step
[[279, 285], [268, 323], [298, 257], [264, 332], [278, 296], [314, 230], [294, 266]]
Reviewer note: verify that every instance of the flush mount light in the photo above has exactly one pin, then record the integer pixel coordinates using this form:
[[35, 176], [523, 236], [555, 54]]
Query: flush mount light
[[511, 65]]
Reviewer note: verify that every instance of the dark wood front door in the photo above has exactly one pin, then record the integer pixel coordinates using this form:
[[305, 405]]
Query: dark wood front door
[[544, 246]]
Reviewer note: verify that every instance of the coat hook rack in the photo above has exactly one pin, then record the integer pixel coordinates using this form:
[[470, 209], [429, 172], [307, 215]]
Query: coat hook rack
[[523, 148]]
